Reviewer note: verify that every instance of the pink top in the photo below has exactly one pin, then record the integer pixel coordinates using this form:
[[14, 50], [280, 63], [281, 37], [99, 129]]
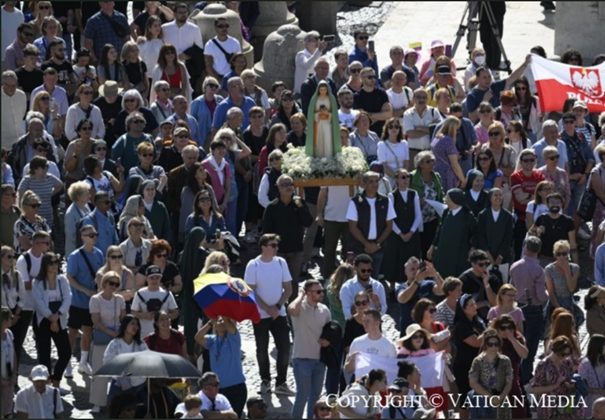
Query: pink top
[[215, 181], [516, 314]]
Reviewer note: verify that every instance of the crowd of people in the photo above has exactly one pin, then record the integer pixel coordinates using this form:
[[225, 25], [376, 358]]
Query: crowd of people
[[127, 172]]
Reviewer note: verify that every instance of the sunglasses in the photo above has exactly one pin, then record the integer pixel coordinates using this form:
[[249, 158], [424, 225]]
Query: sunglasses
[[34, 205], [485, 111], [555, 157], [92, 235], [528, 160], [212, 85], [506, 327], [113, 284], [363, 37], [493, 344], [362, 302], [403, 177], [355, 70], [561, 254], [116, 257], [272, 245], [417, 336], [366, 271], [494, 133], [397, 127], [162, 255]]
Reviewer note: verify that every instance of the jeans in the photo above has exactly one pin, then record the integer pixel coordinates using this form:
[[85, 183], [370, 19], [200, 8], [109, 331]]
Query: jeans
[[479, 410], [310, 234], [576, 193], [230, 217], [533, 329], [333, 231], [61, 341], [237, 396], [377, 258], [242, 203], [281, 336], [309, 377]]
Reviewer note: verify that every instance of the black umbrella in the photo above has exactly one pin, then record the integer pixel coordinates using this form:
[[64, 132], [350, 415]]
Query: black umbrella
[[149, 364]]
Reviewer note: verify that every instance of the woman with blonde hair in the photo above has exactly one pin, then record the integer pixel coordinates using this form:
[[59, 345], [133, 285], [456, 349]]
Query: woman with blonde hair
[[136, 69], [446, 154], [507, 305], [503, 156], [40, 103], [40, 10], [79, 195], [51, 29], [217, 258], [114, 262]]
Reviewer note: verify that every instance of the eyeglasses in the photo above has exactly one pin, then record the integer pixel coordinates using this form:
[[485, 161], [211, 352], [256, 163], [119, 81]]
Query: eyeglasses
[[531, 160], [561, 254], [363, 37], [492, 344], [362, 302], [162, 255], [91, 235], [403, 177], [494, 133], [116, 257], [555, 157], [366, 271], [273, 245], [113, 284], [355, 70]]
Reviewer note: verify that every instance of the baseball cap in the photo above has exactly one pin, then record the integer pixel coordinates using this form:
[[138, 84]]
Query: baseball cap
[[410, 51], [39, 373], [437, 43], [579, 104], [153, 270], [399, 384]]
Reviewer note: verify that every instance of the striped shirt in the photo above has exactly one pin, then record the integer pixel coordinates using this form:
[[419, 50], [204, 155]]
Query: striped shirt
[[43, 188]]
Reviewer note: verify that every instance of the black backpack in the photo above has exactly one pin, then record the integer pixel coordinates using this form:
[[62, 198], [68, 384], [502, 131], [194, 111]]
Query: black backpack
[[154, 304]]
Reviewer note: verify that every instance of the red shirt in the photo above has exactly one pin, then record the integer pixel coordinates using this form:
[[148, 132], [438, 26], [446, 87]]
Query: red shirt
[[173, 345], [527, 185]]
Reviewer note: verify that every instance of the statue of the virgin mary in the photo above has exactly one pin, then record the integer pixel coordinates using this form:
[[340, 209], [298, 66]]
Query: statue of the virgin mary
[[323, 129]]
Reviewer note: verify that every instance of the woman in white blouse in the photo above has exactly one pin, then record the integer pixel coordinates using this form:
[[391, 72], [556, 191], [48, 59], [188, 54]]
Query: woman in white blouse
[[128, 340], [84, 109], [393, 151], [107, 308], [150, 44]]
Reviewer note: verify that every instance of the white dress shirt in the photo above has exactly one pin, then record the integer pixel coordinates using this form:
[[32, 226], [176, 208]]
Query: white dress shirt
[[13, 113], [182, 37], [304, 61]]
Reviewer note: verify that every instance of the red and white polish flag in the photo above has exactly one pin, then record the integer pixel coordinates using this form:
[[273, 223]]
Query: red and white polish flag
[[557, 82]]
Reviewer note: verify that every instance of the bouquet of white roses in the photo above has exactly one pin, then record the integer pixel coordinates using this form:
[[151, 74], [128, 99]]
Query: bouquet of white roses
[[347, 164]]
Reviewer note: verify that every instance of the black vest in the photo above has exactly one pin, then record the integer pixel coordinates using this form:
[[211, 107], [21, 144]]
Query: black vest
[[406, 212], [273, 175], [363, 214]]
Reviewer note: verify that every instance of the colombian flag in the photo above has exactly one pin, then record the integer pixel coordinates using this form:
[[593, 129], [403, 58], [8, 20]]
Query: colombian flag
[[219, 294]]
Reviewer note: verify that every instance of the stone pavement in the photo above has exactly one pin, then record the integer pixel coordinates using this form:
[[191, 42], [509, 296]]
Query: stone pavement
[[524, 26]]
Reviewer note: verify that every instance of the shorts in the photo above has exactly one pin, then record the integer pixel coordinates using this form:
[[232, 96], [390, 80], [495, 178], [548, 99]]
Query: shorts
[[78, 318]]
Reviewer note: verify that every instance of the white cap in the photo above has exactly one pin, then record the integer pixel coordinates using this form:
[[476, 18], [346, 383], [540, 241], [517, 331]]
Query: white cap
[[39, 373]]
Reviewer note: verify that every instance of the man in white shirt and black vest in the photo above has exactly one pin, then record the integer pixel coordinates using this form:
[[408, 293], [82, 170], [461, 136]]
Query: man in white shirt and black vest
[[370, 217]]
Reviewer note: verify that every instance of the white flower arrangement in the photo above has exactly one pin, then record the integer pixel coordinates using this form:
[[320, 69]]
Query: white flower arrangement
[[347, 164]]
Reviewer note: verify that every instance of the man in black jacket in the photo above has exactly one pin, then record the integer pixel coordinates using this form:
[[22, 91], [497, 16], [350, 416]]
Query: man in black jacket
[[307, 89], [288, 216]]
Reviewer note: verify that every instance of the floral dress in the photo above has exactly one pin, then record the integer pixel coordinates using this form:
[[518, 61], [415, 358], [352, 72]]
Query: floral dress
[[24, 227], [547, 373]]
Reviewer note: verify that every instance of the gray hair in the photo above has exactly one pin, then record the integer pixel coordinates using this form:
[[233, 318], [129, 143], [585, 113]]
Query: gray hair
[[33, 114], [35, 119], [283, 177], [232, 81], [550, 123], [322, 59], [208, 80], [9, 74], [532, 244], [411, 260], [549, 150], [160, 84], [422, 156], [132, 93], [368, 175], [190, 148], [224, 132], [233, 112], [132, 116]]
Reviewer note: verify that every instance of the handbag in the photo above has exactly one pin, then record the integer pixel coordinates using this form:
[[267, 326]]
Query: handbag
[[120, 30], [588, 201], [100, 338]]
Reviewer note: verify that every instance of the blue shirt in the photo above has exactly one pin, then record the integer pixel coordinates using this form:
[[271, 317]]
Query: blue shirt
[[194, 131], [125, 148], [100, 30], [203, 116], [77, 268], [423, 290], [475, 96], [539, 147], [352, 286], [225, 358], [362, 57], [599, 265], [220, 114], [106, 228], [215, 224]]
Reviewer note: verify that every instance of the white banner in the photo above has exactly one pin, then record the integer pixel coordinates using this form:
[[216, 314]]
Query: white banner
[[431, 367]]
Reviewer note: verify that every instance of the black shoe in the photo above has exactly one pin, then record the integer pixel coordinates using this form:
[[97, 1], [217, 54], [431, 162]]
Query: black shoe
[[548, 5]]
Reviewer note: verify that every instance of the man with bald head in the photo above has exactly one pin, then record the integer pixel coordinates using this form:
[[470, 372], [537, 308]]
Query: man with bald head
[[598, 408], [307, 89]]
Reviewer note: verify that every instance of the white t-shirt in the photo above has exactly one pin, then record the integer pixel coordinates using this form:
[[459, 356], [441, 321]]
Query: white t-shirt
[[372, 233], [39, 406], [221, 403], [337, 204], [354, 397], [109, 310], [411, 120], [10, 23], [220, 64], [139, 305], [26, 301], [347, 118], [393, 154], [400, 100], [382, 347], [268, 279]]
